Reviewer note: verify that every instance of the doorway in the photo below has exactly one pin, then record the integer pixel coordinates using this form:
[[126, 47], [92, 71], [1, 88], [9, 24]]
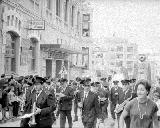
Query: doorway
[[48, 68], [10, 53]]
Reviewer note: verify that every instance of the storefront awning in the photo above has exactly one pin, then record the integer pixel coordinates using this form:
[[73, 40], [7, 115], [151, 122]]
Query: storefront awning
[[59, 47]]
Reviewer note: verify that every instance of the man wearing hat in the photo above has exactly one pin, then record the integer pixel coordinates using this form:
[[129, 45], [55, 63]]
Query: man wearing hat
[[65, 103], [114, 96], [134, 88], [44, 106], [103, 99], [124, 97], [90, 108]]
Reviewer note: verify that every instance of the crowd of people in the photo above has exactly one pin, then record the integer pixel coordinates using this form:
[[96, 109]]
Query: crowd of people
[[39, 101]]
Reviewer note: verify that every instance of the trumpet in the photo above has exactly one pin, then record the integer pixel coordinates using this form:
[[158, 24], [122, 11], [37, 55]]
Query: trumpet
[[32, 121], [120, 107]]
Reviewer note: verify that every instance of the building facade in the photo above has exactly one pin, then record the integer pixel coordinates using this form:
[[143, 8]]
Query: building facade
[[41, 37], [121, 56]]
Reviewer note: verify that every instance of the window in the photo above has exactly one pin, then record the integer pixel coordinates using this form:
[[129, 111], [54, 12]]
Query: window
[[66, 11], [35, 5], [119, 49], [19, 25], [33, 54], [8, 19], [112, 56], [112, 49], [119, 63], [16, 22], [129, 56], [129, 64], [72, 16], [12, 20], [78, 20], [86, 29], [58, 7], [129, 69], [112, 63], [129, 49], [119, 56], [86, 17], [49, 4]]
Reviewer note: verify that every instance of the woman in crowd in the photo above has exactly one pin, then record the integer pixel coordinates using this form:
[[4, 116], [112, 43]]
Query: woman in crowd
[[142, 110]]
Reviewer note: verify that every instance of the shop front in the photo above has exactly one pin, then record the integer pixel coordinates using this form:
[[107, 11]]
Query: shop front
[[55, 60]]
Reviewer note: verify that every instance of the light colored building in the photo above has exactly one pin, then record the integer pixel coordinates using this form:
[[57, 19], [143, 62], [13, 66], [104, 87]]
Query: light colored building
[[154, 59], [121, 56], [41, 37]]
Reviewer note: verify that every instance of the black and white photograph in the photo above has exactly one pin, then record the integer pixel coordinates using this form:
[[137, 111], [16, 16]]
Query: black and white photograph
[[80, 63]]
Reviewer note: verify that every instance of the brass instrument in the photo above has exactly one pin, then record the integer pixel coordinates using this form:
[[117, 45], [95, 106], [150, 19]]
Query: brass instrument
[[32, 121], [122, 105]]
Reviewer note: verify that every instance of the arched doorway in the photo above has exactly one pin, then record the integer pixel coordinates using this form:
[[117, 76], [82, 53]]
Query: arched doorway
[[10, 52]]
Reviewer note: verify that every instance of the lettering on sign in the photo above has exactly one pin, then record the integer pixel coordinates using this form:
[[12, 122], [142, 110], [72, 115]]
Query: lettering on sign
[[37, 25]]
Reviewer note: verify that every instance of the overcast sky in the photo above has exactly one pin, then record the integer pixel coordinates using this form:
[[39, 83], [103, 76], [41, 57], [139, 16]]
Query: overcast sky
[[138, 21]]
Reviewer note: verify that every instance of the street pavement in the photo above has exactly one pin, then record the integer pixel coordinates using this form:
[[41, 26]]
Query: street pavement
[[108, 123]]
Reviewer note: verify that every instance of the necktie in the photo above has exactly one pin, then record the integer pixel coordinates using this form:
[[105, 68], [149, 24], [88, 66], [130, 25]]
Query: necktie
[[85, 96], [37, 94]]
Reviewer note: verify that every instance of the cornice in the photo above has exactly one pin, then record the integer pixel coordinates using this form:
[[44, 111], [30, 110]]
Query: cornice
[[21, 8]]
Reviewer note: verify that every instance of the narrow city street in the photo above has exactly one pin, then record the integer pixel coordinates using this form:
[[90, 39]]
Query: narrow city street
[[58, 57], [78, 124]]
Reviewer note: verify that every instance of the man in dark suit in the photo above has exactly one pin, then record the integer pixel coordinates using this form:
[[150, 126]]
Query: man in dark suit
[[114, 97], [45, 105], [88, 102], [65, 103]]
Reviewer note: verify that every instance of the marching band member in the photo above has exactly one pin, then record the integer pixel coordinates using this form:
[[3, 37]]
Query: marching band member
[[77, 88], [65, 103], [105, 87], [134, 88], [41, 105], [88, 102], [114, 97], [75, 101], [124, 97]]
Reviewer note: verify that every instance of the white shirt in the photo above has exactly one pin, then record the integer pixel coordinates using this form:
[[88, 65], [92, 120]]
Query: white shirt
[[37, 95], [85, 94]]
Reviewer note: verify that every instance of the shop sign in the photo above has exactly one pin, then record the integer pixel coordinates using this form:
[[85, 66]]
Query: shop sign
[[57, 55], [37, 25]]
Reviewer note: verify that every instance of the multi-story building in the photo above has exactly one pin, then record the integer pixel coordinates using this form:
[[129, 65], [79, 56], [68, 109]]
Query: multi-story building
[[154, 59], [41, 37], [121, 56]]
